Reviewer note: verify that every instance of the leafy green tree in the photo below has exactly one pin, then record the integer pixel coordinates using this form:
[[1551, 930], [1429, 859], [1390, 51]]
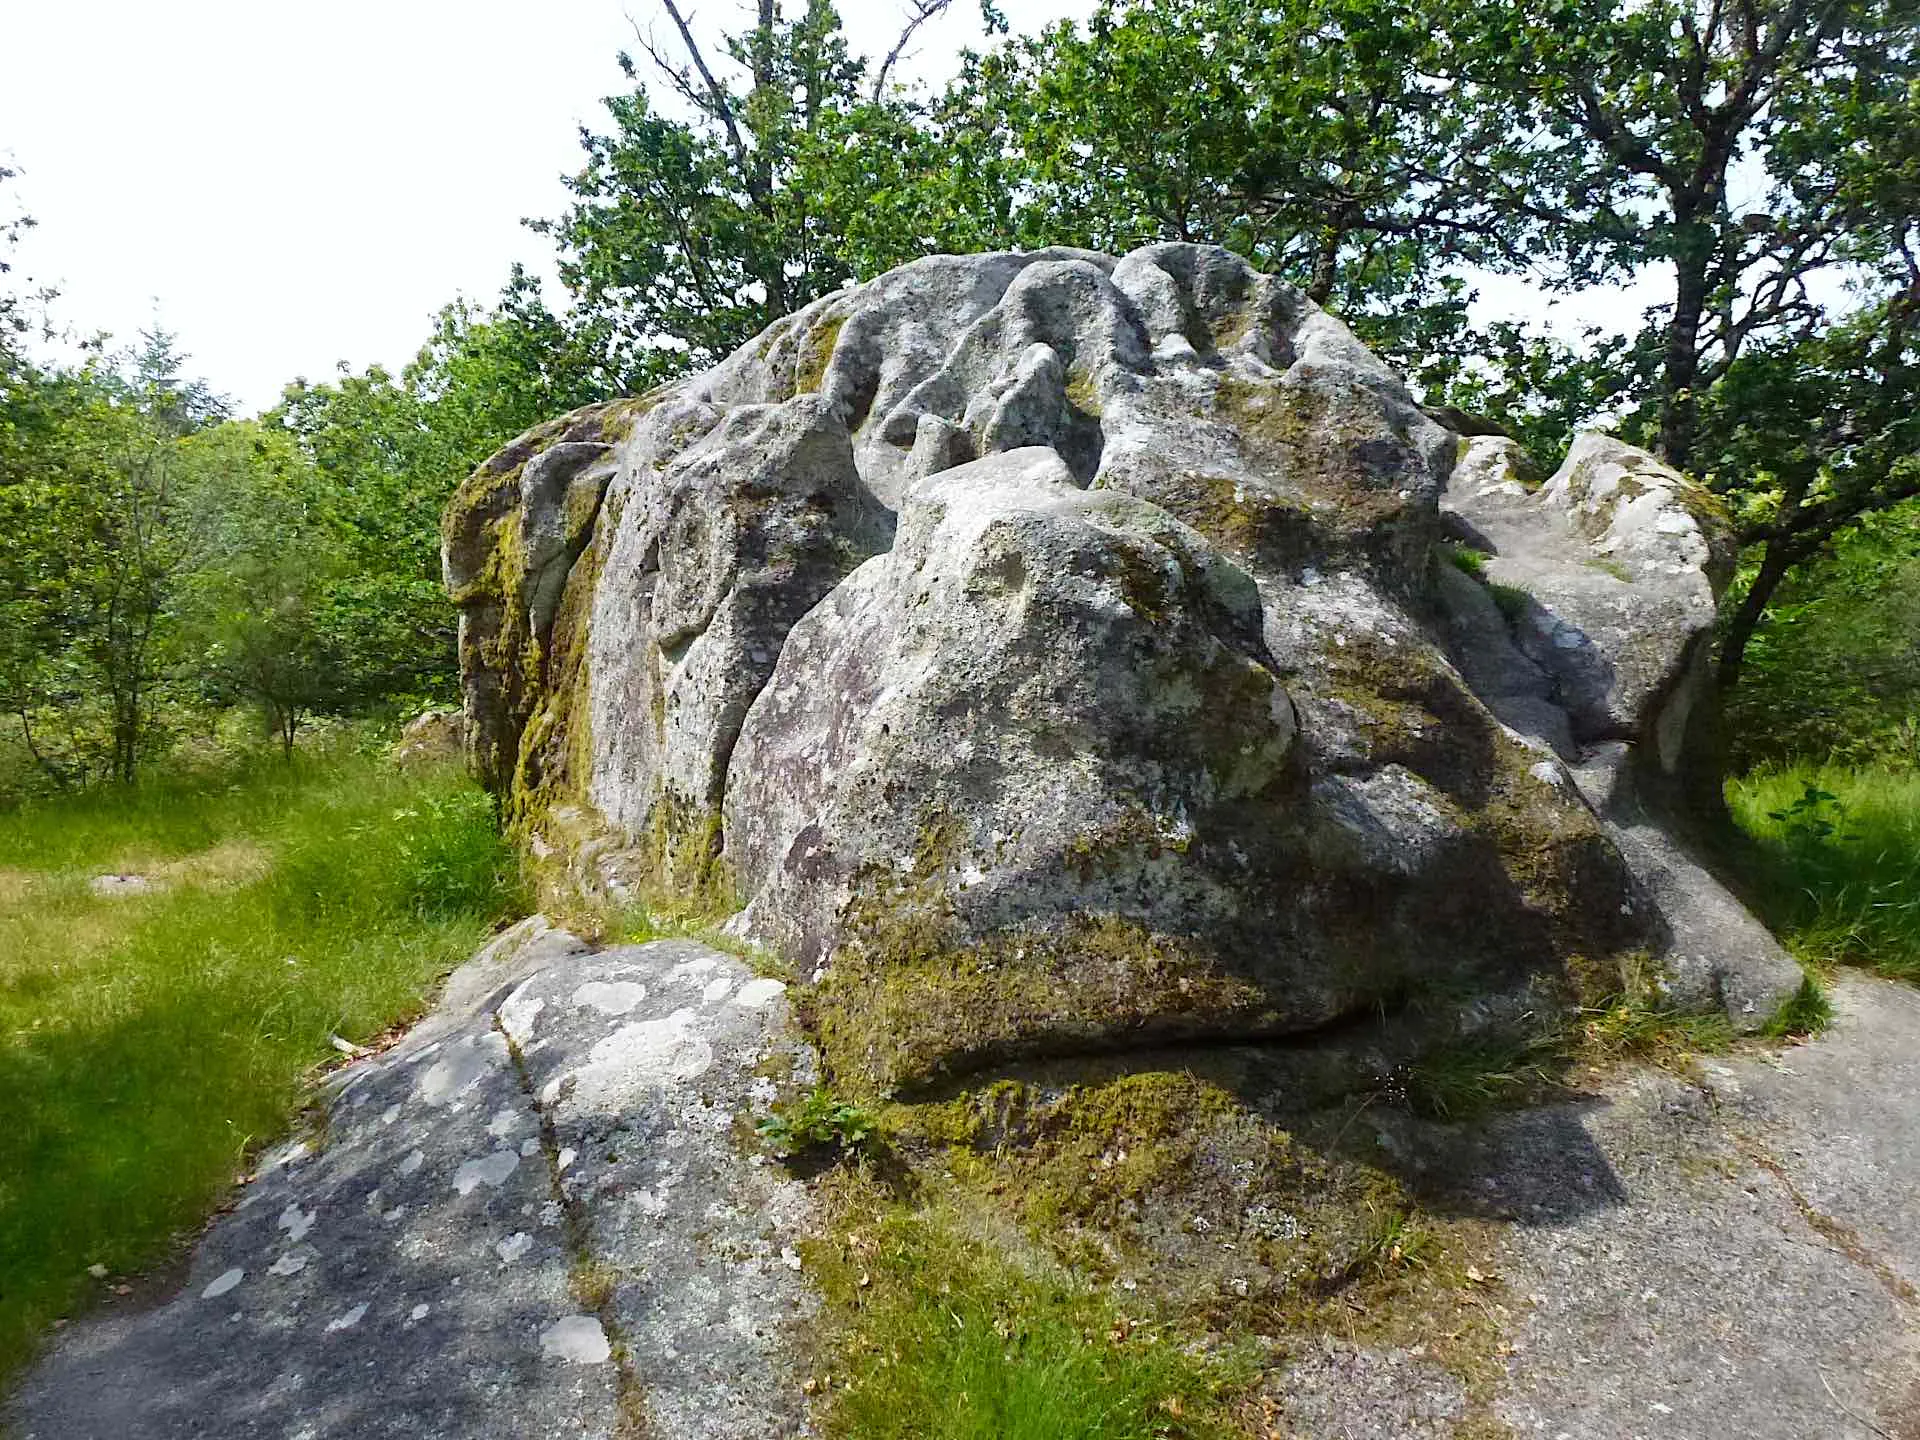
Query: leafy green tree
[[1835, 672], [93, 497], [794, 172], [52, 460], [387, 451], [1739, 148], [144, 541], [1310, 136], [1808, 437], [257, 608]]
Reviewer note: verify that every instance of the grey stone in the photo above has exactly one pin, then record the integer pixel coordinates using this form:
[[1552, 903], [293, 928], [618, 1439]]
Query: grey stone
[[1715, 954], [1621, 559], [111, 887], [1084, 622], [717, 547], [1341, 1391], [1735, 1256], [412, 1271]]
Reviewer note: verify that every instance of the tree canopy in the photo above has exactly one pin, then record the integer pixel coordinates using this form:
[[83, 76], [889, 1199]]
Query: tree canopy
[[1759, 162]]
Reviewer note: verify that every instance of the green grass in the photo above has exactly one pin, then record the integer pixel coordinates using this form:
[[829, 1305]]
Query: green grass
[[1468, 560], [149, 1045], [1838, 854], [948, 1338]]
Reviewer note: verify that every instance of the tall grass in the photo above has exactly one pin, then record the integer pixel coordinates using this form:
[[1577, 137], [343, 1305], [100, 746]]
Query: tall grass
[[148, 1044], [1839, 856]]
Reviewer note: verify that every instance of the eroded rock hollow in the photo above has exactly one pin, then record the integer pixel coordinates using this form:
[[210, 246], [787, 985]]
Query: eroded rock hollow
[[1054, 653]]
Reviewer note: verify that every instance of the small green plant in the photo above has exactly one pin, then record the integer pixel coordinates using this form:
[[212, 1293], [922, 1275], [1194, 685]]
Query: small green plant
[[1468, 560], [1836, 862], [1396, 1240], [1512, 600], [1817, 815], [817, 1120], [1631, 1026], [1465, 1079], [1806, 1012]]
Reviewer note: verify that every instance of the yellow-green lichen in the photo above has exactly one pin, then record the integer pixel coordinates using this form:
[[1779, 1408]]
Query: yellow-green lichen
[[907, 1000], [810, 373], [1083, 394]]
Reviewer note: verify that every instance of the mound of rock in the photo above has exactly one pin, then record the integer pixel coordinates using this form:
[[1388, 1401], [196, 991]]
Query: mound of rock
[[1058, 654]]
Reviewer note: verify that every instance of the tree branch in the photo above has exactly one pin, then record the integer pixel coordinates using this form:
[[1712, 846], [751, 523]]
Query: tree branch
[[923, 11], [721, 107]]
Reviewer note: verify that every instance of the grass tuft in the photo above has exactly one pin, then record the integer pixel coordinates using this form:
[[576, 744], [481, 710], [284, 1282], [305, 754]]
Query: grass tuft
[[150, 1044], [1468, 560], [1838, 855], [952, 1339]]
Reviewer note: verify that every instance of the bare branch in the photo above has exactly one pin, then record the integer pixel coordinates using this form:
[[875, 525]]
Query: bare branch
[[675, 75], [923, 11], [721, 107]]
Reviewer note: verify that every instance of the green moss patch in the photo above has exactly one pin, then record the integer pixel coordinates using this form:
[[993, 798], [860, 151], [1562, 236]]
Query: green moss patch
[[904, 1004], [1140, 1241], [810, 374]]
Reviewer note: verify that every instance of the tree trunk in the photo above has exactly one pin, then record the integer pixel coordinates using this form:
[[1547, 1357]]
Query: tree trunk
[[1774, 565], [1325, 261], [1679, 406], [47, 767]]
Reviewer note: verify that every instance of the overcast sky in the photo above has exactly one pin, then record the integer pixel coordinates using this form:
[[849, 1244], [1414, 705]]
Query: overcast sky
[[291, 186]]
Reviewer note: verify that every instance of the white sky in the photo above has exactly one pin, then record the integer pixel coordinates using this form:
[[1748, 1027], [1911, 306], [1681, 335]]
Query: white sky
[[291, 186]]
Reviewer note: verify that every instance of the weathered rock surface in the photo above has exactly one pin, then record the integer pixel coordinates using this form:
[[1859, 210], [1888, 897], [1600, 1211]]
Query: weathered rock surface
[[1734, 1256], [1735, 1252], [535, 1216], [434, 736], [1060, 653]]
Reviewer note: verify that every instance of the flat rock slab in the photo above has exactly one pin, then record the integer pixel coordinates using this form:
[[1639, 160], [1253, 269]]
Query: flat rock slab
[[535, 1216], [1736, 1256]]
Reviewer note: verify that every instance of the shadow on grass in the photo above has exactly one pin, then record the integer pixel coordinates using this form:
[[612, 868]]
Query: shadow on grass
[[1835, 862], [149, 1045]]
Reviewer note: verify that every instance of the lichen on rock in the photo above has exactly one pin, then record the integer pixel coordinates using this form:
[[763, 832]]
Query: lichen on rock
[[1056, 654]]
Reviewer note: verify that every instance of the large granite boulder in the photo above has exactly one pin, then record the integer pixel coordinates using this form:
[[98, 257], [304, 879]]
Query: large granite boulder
[[1057, 653]]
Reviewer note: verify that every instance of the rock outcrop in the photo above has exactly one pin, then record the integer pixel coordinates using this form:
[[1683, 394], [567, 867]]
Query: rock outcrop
[[1058, 653]]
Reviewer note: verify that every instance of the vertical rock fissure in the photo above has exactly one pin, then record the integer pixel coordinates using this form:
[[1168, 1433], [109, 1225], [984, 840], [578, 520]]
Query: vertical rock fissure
[[589, 1278]]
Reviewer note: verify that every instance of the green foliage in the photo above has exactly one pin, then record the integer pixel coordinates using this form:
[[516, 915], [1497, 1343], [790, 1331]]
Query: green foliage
[[1306, 136], [1806, 1012], [952, 1340], [1838, 861], [1636, 1025], [99, 508], [1468, 561], [1469, 1078], [149, 1044], [817, 1119], [1513, 600], [1619, 127], [1833, 672], [1396, 1240], [687, 237]]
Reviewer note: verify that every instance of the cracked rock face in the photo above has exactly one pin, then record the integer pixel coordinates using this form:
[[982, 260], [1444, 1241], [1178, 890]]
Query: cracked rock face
[[1062, 652], [541, 1214]]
